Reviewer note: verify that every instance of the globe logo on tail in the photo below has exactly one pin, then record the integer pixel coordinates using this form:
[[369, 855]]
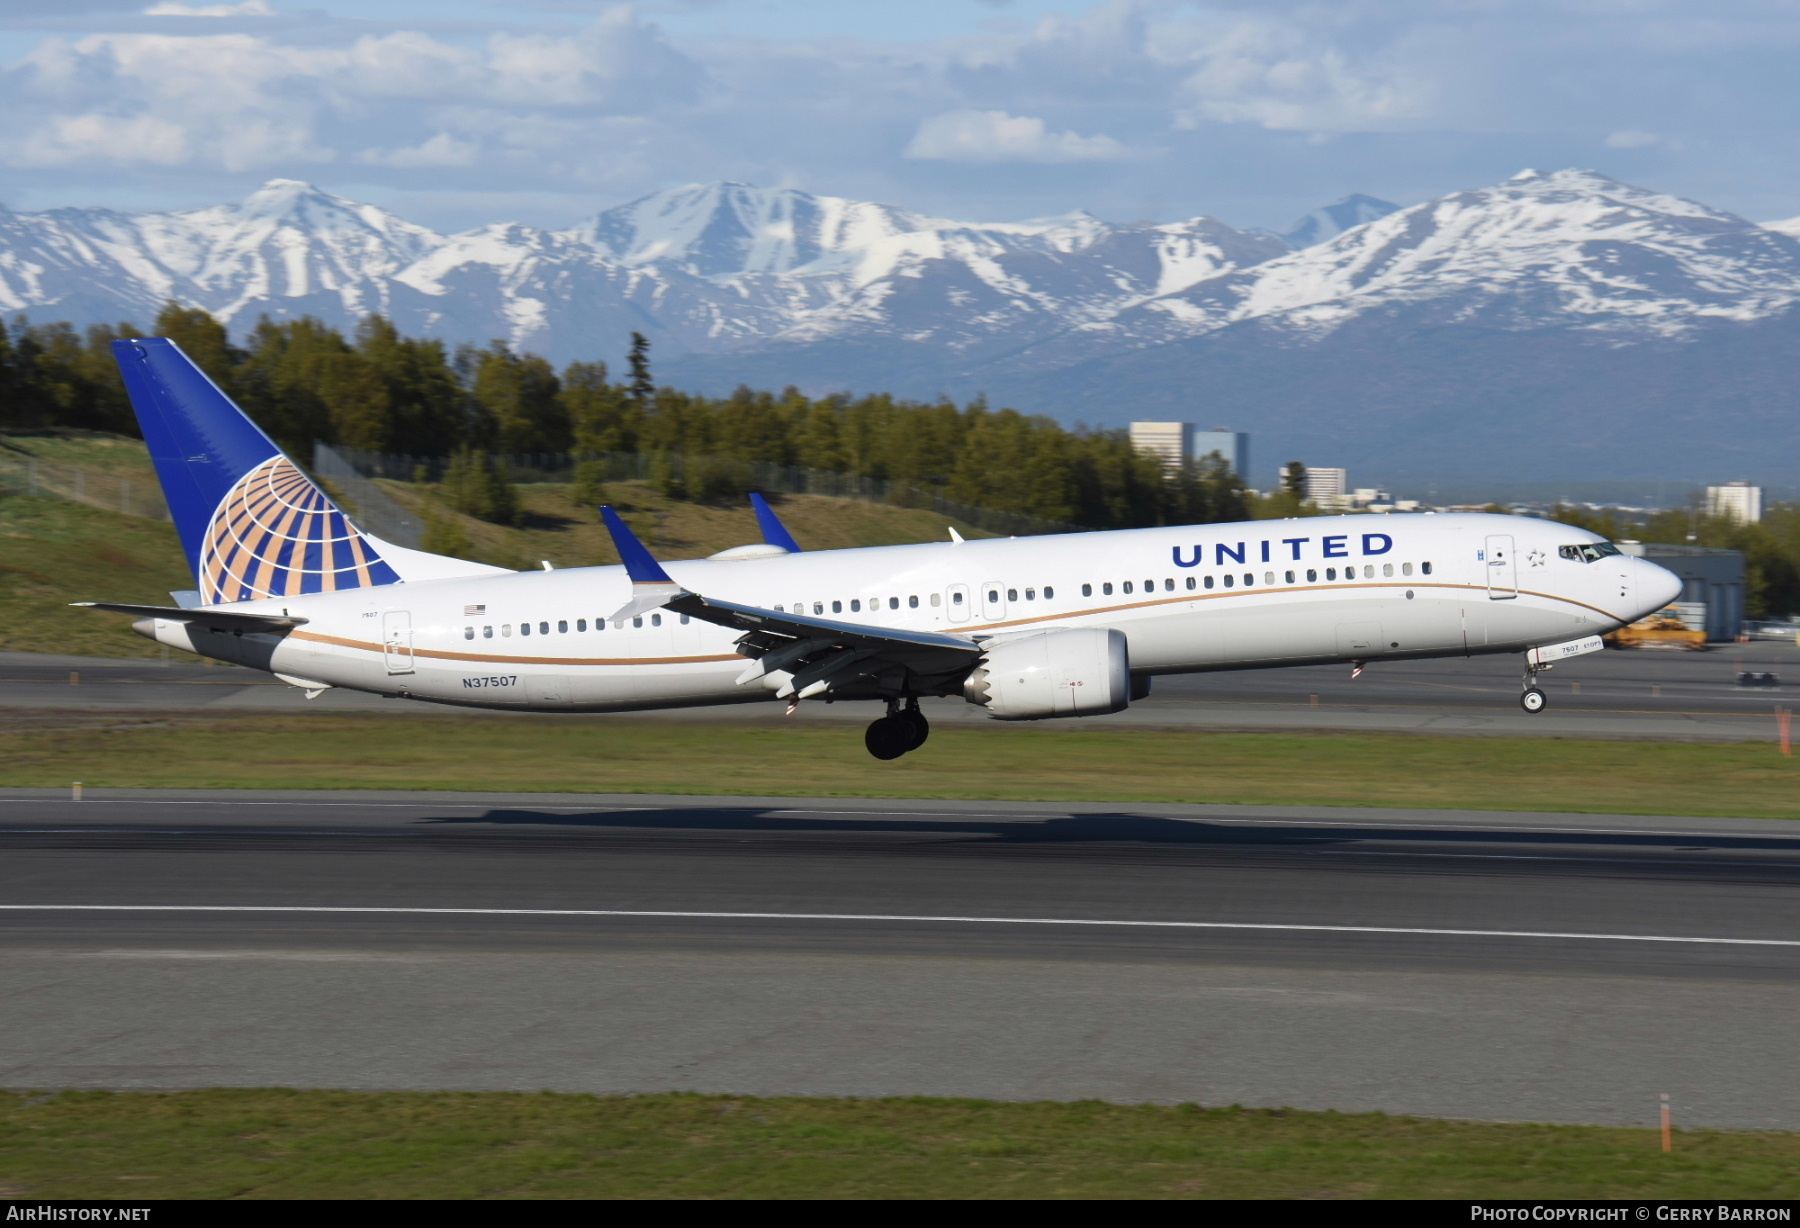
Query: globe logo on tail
[[275, 534]]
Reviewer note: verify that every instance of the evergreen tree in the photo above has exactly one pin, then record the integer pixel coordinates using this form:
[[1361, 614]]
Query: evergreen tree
[[475, 485], [519, 395], [641, 386], [601, 417]]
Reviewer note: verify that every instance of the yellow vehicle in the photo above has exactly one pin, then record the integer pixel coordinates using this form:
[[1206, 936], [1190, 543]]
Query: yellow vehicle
[[1663, 629]]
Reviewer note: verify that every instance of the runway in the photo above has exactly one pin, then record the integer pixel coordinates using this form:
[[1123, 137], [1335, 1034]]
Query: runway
[[1467, 964], [1647, 694]]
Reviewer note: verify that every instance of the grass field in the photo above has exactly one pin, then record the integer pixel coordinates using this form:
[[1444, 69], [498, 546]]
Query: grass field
[[418, 750], [321, 1144]]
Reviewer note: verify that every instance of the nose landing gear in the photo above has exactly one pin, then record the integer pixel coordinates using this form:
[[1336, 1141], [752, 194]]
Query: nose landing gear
[[1532, 699], [901, 730]]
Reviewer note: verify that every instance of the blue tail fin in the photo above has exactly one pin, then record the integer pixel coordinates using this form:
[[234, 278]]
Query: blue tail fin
[[252, 524]]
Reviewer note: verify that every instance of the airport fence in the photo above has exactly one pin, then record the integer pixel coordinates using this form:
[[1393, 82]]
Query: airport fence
[[689, 470], [138, 495]]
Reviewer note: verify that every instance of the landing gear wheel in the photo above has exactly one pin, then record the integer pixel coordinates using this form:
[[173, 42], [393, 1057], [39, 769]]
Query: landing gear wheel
[[890, 737], [920, 726], [1533, 700]]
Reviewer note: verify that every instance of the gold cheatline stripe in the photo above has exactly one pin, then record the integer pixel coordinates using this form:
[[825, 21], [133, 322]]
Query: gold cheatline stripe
[[494, 660], [1017, 622]]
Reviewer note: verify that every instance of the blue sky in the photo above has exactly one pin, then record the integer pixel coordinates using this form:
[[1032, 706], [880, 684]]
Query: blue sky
[[456, 112]]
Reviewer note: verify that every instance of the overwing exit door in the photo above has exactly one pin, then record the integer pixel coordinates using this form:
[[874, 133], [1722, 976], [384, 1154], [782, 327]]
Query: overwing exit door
[[396, 641], [993, 601], [1502, 571]]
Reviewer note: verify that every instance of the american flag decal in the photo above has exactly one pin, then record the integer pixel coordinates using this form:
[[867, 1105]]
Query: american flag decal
[[470, 611], [275, 534]]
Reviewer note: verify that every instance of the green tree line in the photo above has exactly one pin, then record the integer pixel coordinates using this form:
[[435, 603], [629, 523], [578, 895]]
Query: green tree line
[[385, 392]]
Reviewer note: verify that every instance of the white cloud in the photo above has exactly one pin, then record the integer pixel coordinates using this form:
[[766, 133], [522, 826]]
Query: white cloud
[[995, 136], [172, 8], [143, 140], [1630, 138], [440, 150]]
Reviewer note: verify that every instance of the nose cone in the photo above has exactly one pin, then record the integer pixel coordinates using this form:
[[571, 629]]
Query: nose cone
[[1656, 586]]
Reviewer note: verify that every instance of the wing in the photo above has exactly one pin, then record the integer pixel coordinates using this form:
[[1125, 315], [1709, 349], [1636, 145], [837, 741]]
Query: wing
[[802, 656]]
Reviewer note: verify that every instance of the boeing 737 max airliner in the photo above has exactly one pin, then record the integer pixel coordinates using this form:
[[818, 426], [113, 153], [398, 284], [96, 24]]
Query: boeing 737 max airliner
[[1064, 626]]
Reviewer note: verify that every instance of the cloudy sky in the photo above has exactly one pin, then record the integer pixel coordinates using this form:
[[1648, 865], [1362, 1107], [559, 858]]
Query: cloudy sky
[[455, 112]]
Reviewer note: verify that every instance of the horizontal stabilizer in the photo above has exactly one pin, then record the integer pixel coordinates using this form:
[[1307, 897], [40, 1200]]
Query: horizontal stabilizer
[[217, 620]]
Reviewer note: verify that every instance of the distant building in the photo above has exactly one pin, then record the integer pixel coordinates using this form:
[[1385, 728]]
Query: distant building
[[1176, 443], [1232, 446], [1167, 440], [1712, 584], [1737, 501], [1327, 489]]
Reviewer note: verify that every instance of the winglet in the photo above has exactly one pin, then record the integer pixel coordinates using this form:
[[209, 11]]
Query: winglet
[[651, 587], [773, 531]]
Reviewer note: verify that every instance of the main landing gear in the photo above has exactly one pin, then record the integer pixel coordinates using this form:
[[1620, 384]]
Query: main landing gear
[[901, 730]]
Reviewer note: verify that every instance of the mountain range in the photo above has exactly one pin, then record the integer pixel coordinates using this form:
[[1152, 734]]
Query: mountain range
[[1556, 327]]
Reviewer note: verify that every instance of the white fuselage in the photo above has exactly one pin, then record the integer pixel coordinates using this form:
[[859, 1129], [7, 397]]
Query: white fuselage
[[1203, 597]]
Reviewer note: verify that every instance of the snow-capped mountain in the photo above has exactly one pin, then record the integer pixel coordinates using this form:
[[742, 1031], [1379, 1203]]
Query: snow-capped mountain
[[1332, 220], [1363, 317]]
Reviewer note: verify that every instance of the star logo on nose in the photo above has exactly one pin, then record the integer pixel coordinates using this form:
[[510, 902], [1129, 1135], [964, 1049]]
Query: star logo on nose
[[1535, 558]]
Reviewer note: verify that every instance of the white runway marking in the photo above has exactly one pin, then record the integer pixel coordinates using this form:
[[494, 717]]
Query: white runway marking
[[363, 910]]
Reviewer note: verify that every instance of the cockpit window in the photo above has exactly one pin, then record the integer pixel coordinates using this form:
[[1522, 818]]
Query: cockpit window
[[1588, 552]]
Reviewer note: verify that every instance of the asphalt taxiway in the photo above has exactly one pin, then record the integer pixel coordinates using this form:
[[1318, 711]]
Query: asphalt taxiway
[[1644, 694], [1483, 965]]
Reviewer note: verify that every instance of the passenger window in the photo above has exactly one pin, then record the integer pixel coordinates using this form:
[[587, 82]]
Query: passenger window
[[856, 605], [1031, 594], [1048, 592], [818, 607], [1149, 586], [1387, 569], [543, 628], [1087, 590], [1331, 573], [1269, 577], [1192, 583], [468, 633], [505, 630], [684, 620], [993, 595], [1012, 594], [1209, 582], [524, 628], [581, 624], [562, 626], [1169, 586], [1107, 589], [1424, 569], [638, 621], [1406, 569], [1228, 581], [956, 599], [1312, 575], [1368, 571], [1290, 578], [913, 603], [1249, 579], [837, 607], [894, 602], [487, 633], [1126, 586], [937, 599], [656, 620]]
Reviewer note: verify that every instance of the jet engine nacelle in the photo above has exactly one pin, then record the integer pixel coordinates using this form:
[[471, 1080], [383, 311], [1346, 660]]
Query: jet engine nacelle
[[1076, 671]]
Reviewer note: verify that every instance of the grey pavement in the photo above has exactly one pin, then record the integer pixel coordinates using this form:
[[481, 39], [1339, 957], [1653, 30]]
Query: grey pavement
[[842, 982], [1645, 694]]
